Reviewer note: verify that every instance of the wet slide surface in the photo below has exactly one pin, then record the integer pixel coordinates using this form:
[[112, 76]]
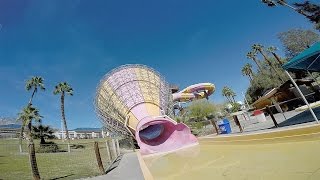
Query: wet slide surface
[[285, 154]]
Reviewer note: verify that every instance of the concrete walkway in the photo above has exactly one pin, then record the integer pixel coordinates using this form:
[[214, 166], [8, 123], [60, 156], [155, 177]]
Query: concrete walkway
[[128, 168]]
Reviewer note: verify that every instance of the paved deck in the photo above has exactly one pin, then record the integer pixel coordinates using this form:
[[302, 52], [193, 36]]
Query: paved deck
[[291, 118], [128, 168], [280, 154]]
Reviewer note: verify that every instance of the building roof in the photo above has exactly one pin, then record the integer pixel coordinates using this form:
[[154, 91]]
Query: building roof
[[10, 126], [306, 60], [268, 95]]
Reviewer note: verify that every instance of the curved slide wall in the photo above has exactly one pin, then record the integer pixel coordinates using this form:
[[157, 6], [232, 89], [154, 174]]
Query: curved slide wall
[[196, 91]]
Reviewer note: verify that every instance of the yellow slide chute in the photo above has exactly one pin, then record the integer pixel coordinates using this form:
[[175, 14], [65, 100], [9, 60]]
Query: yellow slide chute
[[196, 91]]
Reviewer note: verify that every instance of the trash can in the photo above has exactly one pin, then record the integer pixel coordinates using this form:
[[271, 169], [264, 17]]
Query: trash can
[[259, 115], [224, 126]]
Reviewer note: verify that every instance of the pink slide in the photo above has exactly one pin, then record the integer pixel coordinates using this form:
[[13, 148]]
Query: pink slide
[[163, 134], [136, 100]]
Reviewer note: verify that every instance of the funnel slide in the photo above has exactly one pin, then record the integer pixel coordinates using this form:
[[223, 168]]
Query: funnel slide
[[136, 100]]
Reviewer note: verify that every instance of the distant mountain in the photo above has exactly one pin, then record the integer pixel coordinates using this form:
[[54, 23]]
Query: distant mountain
[[7, 120]]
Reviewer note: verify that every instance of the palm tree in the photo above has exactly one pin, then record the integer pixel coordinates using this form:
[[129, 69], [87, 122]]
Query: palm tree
[[247, 71], [253, 55], [272, 50], [259, 48], [272, 3], [225, 93], [232, 94], [229, 94], [26, 116], [35, 83], [309, 10], [63, 88]]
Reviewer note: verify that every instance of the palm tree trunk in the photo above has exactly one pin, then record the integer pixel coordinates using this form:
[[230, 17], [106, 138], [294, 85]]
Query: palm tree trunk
[[34, 91], [21, 137], [264, 56], [277, 58], [270, 64], [227, 98], [274, 69], [234, 101], [32, 156], [22, 126], [295, 9], [64, 117], [33, 162], [258, 64], [250, 77]]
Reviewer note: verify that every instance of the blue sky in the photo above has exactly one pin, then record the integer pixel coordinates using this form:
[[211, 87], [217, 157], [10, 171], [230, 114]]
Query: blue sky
[[79, 41]]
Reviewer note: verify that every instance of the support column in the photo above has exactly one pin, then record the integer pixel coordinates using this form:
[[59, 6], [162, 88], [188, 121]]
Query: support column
[[272, 117]]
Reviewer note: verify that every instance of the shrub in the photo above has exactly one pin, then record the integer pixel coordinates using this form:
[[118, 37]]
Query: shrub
[[49, 147], [77, 146]]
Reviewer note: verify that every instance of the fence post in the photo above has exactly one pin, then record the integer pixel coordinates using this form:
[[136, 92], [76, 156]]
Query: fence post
[[114, 147], [118, 147], [236, 120], [20, 148], [97, 152], [69, 149], [132, 143], [214, 125], [108, 151], [272, 117]]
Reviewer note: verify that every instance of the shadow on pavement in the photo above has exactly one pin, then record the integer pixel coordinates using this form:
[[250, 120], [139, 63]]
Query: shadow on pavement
[[114, 164], [301, 118]]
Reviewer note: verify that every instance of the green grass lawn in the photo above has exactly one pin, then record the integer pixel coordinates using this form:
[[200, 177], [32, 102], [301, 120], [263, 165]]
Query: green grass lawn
[[76, 164]]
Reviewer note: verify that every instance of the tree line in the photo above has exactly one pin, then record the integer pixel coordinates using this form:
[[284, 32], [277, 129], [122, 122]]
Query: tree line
[[268, 72]]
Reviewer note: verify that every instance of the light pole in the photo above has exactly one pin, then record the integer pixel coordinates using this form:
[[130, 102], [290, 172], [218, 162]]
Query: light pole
[[245, 98]]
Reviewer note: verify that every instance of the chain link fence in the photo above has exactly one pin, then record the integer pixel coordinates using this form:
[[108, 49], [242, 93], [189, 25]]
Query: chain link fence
[[60, 160]]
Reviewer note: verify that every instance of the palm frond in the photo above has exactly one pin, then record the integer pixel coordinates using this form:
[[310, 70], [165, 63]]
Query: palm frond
[[63, 87], [28, 114], [34, 83]]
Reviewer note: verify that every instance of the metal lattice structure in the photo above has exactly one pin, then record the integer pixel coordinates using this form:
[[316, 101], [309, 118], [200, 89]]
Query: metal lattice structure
[[125, 88]]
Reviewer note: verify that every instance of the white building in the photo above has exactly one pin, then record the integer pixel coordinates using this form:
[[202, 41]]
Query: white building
[[82, 133]]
